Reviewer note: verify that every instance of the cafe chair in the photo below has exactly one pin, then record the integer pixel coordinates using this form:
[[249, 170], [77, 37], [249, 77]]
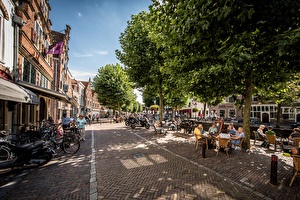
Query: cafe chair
[[240, 145], [200, 140], [295, 142], [256, 137], [296, 159], [272, 140], [223, 144]]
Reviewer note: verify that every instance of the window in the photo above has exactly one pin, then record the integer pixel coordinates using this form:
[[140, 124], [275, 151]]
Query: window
[[29, 72], [1, 38], [44, 9], [43, 81]]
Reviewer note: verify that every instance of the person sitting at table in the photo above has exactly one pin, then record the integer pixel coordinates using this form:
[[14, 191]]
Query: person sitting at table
[[231, 129], [199, 131], [213, 129], [295, 134], [270, 131], [261, 135], [295, 151], [236, 139], [260, 132]]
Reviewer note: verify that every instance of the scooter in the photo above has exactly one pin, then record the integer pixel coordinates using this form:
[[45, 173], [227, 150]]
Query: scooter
[[36, 153]]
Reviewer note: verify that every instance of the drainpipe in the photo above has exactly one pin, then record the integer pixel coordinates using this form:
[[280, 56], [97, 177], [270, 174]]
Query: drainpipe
[[18, 22], [56, 117]]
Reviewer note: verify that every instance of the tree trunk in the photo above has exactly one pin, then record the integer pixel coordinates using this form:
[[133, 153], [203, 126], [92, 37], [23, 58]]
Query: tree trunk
[[161, 102], [119, 109], [278, 115], [247, 112], [204, 114]]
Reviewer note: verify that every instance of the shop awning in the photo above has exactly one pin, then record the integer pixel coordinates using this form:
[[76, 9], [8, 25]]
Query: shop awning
[[46, 92], [12, 92]]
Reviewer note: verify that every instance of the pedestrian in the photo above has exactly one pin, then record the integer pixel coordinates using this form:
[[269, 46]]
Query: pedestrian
[[93, 117], [65, 121], [81, 126], [97, 117], [87, 119]]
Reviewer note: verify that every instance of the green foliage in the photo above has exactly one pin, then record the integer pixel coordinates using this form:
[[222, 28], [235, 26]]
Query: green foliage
[[219, 48], [195, 110], [154, 107], [113, 87]]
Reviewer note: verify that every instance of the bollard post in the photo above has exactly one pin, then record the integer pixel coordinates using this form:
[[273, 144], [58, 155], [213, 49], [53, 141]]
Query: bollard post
[[274, 163], [203, 149]]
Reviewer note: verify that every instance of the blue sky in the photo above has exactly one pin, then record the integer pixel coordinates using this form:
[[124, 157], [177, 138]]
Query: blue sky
[[95, 29], [96, 26]]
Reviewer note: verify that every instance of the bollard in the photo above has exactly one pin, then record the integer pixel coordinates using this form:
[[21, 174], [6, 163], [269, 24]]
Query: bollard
[[203, 149], [274, 163]]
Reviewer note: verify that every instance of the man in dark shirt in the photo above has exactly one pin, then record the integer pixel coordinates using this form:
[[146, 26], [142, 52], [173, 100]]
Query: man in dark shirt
[[294, 134]]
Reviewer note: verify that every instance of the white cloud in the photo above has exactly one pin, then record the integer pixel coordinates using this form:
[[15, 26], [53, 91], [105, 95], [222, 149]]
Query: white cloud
[[102, 53], [90, 54], [81, 55], [79, 14], [81, 75]]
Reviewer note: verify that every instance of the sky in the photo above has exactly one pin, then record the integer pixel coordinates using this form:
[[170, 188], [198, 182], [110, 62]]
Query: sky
[[96, 26]]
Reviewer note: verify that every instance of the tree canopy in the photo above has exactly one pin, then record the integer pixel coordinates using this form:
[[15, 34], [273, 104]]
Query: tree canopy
[[113, 87], [218, 48]]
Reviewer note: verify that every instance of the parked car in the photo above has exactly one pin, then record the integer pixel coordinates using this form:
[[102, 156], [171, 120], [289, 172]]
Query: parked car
[[295, 125]]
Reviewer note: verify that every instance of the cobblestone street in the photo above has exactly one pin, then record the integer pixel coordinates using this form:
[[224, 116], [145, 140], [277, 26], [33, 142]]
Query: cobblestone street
[[116, 162]]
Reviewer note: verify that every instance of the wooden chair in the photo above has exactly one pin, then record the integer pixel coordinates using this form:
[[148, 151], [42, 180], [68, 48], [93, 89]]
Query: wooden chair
[[159, 130], [197, 142], [272, 140], [296, 141], [223, 144], [296, 159], [240, 145], [256, 137]]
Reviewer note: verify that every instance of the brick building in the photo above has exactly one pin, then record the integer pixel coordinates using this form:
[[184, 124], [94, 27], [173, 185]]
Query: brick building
[[35, 80]]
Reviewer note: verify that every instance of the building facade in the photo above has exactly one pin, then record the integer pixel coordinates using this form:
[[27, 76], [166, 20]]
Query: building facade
[[35, 80]]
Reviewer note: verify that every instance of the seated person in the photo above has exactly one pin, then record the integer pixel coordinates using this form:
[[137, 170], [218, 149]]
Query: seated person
[[236, 139], [260, 132], [199, 131], [295, 134], [231, 130], [270, 131], [295, 151], [213, 129], [159, 128]]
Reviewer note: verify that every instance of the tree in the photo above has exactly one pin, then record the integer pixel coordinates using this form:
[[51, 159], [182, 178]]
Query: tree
[[113, 87], [226, 47], [281, 93], [141, 56]]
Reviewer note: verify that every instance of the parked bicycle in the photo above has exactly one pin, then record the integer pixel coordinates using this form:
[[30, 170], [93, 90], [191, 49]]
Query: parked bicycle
[[61, 140]]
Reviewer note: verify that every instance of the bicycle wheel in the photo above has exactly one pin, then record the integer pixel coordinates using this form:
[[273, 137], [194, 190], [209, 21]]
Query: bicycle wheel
[[4, 153], [71, 145]]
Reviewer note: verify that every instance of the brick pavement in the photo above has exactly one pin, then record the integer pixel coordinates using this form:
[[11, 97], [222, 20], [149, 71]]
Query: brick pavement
[[137, 164]]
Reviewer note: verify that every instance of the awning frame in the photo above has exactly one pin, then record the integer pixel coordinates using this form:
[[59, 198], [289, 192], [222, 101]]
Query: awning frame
[[10, 91]]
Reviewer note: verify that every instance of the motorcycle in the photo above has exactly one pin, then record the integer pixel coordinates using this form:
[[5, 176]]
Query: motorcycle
[[19, 155], [143, 122]]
